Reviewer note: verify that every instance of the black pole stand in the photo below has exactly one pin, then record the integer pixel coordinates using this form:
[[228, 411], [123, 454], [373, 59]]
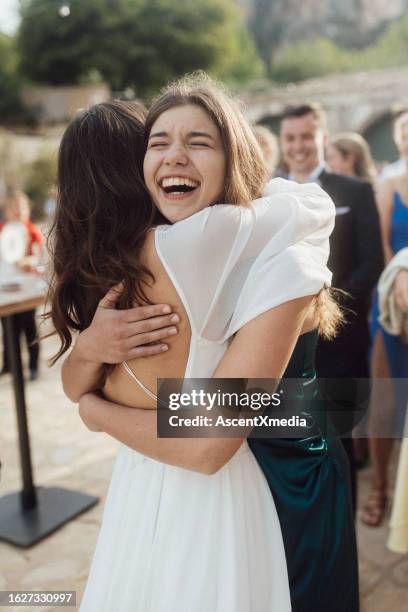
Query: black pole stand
[[28, 516]]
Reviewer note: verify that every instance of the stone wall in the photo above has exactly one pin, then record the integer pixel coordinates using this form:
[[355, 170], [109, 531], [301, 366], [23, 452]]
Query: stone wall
[[354, 102], [59, 104]]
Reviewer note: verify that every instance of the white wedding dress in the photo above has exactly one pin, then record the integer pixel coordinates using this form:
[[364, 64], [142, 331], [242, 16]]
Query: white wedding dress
[[173, 540]]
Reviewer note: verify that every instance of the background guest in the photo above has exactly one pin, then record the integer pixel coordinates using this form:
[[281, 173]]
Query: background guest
[[348, 153], [393, 290], [356, 258], [390, 352], [397, 167], [17, 209], [269, 147]]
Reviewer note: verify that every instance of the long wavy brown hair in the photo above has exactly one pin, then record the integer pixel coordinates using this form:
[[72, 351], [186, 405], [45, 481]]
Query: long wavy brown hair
[[103, 214]]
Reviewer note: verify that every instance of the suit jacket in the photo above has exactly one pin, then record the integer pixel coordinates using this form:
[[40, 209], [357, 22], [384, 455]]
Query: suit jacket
[[356, 261]]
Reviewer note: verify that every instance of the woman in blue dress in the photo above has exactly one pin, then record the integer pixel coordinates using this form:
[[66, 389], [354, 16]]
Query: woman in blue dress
[[390, 353]]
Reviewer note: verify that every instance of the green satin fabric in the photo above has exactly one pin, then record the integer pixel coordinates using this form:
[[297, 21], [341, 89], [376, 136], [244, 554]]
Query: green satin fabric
[[310, 485]]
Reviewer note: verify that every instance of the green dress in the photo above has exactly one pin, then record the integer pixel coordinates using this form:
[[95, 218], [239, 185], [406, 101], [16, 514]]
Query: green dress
[[309, 480]]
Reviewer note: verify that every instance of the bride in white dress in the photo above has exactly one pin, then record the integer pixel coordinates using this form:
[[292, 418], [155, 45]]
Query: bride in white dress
[[190, 525]]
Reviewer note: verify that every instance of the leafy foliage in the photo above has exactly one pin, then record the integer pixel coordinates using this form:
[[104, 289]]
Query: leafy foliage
[[134, 43], [11, 107]]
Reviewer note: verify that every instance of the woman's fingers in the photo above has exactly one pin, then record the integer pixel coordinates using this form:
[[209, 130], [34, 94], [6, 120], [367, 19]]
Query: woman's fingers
[[153, 336], [111, 298], [146, 350], [140, 313], [150, 325], [117, 335]]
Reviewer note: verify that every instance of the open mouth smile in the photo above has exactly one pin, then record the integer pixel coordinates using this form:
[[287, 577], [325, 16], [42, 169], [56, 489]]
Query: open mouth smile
[[178, 186]]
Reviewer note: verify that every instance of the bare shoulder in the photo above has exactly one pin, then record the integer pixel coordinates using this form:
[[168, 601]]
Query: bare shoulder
[[401, 185]]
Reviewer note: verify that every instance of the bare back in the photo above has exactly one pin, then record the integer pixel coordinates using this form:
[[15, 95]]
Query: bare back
[[119, 386]]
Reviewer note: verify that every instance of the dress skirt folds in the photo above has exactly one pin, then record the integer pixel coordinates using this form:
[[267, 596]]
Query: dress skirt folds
[[309, 480], [178, 541]]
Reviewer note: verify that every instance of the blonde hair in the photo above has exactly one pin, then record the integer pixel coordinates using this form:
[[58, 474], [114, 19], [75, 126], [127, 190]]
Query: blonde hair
[[328, 312], [351, 143], [246, 173]]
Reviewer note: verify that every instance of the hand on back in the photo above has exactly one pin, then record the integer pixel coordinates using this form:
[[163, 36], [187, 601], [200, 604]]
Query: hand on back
[[115, 335]]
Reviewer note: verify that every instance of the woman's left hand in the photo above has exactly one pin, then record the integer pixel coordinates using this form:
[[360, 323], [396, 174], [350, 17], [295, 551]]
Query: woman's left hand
[[88, 410]]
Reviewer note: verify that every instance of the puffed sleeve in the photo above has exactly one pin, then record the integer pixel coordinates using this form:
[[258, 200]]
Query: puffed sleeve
[[292, 263], [230, 263]]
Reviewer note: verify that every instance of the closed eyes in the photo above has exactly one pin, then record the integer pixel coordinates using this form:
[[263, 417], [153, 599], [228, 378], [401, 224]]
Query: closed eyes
[[155, 145]]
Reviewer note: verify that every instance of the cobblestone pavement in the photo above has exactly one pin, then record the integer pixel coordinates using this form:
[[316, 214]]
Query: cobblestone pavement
[[66, 454]]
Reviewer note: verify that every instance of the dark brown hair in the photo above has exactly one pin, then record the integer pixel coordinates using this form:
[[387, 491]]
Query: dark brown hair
[[246, 173], [301, 110], [102, 216]]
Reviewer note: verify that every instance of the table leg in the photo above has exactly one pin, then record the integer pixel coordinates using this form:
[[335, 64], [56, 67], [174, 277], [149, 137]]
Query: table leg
[[28, 516], [28, 495]]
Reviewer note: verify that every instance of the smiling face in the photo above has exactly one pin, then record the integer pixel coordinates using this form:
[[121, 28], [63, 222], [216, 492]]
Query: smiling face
[[302, 142], [184, 165]]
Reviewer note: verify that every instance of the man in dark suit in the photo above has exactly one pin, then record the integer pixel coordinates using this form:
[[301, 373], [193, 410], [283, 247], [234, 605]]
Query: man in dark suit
[[356, 257]]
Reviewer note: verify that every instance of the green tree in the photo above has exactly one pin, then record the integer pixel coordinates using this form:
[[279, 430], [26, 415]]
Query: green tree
[[391, 49], [11, 107], [8, 54], [136, 43]]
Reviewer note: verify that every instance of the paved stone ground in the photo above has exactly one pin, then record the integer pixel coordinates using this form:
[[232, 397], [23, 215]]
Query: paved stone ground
[[66, 454]]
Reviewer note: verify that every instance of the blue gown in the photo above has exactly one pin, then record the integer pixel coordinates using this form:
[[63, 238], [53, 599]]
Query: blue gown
[[309, 480], [396, 349]]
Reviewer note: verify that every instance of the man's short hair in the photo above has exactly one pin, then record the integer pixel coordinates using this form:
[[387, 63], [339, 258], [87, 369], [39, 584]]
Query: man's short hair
[[301, 110]]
